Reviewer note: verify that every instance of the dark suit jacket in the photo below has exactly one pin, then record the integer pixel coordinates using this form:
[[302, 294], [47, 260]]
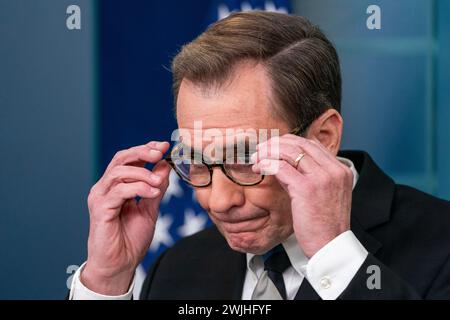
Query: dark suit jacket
[[406, 232]]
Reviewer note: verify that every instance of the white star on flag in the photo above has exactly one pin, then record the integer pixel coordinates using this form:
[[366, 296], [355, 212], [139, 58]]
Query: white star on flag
[[223, 11], [192, 223], [174, 188], [162, 233]]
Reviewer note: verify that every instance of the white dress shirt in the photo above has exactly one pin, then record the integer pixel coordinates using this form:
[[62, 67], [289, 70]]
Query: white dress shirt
[[329, 271]]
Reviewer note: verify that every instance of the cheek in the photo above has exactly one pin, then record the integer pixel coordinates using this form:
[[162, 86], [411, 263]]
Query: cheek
[[271, 197], [202, 195]]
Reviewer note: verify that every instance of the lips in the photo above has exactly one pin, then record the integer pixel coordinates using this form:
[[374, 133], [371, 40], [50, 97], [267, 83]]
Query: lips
[[243, 225], [237, 218]]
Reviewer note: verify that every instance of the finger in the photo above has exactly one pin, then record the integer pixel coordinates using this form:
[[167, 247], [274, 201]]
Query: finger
[[162, 169], [333, 161], [288, 177], [162, 146], [128, 174], [151, 152], [124, 191], [312, 146], [288, 152], [306, 164]]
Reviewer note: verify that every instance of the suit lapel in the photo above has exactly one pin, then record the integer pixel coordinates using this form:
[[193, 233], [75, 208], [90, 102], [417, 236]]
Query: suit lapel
[[306, 292], [372, 199], [373, 193], [241, 262], [227, 272]]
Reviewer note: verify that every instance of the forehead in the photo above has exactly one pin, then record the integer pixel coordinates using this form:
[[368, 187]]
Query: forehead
[[244, 101]]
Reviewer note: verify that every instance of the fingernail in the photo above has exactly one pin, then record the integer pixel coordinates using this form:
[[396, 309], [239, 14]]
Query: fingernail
[[154, 192], [154, 152]]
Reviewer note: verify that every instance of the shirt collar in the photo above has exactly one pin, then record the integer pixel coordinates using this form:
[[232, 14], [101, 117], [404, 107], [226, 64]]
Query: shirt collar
[[295, 253], [349, 163]]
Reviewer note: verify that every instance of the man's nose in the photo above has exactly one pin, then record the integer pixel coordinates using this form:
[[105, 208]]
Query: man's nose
[[225, 194]]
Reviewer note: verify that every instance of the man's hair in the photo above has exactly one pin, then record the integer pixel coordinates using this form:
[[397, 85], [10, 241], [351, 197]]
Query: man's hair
[[302, 64]]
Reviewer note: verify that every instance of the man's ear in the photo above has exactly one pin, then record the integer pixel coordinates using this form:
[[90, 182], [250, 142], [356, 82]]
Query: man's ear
[[327, 129]]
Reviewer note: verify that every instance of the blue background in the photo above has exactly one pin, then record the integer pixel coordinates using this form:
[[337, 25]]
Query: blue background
[[70, 99]]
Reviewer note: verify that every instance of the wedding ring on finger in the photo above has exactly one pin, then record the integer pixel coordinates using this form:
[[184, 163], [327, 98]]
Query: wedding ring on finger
[[298, 159]]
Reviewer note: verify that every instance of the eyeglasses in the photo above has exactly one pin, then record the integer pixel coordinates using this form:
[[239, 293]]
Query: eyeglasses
[[197, 171]]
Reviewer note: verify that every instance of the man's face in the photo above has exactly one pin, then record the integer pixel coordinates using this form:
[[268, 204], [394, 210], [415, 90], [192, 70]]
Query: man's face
[[253, 218]]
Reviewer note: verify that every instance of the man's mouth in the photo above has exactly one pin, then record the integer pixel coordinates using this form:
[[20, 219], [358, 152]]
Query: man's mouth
[[247, 224]]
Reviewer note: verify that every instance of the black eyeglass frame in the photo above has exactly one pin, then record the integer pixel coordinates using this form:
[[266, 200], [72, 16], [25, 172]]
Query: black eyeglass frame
[[297, 131]]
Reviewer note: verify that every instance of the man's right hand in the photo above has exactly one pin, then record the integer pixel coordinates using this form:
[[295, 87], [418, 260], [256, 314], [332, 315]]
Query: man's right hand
[[121, 229]]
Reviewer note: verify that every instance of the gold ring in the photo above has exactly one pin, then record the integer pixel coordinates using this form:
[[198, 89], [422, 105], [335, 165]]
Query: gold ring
[[297, 161]]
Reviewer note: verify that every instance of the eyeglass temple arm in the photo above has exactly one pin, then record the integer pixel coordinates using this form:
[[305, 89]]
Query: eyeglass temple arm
[[298, 131]]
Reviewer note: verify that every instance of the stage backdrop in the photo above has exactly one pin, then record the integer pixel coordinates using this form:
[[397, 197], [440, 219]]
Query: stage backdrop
[[71, 98], [393, 81]]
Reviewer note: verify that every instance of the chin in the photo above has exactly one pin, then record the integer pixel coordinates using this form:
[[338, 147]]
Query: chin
[[248, 242], [256, 238]]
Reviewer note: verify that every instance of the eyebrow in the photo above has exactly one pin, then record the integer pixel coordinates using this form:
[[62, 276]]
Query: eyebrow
[[232, 149], [231, 146]]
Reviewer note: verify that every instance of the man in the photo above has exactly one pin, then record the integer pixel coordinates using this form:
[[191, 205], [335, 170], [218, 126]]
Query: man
[[322, 225]]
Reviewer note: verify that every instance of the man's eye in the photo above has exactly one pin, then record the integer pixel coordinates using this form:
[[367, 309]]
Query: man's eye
[[197, 168], [239, 167]]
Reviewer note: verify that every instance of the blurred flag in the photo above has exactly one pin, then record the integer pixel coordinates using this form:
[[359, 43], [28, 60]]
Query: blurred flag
[[180, 214], [221, 9]]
